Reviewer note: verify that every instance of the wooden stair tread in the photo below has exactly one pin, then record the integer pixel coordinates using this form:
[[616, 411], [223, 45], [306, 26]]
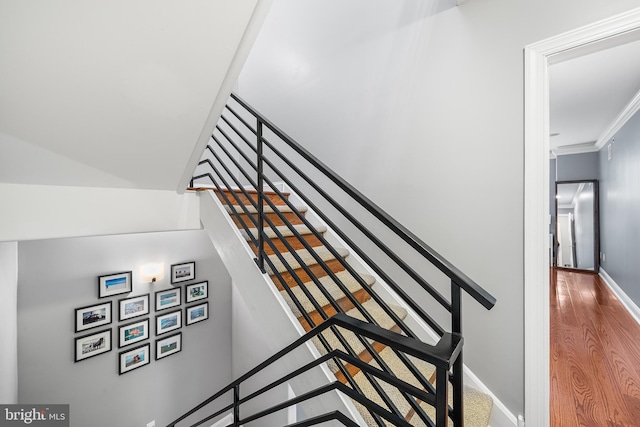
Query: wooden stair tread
[[267, 209], [316, 270], [236, 196], [241, 220], [277, 244], [344, 303], [296, 243], [321, 252], [283, 230]]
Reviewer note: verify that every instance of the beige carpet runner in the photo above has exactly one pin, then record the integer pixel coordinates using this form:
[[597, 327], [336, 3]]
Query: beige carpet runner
[[477, 405]]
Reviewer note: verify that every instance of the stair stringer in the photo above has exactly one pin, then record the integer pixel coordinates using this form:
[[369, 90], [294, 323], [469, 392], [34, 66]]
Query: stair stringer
[[500, 415], [269, 308]]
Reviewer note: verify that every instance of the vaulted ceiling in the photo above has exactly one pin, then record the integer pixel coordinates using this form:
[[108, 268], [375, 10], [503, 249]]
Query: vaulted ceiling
[[113, 94]]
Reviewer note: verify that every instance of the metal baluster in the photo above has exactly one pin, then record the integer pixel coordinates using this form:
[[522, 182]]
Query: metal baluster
[[236, 407], [260, 164], [442, 406], [458, 381]]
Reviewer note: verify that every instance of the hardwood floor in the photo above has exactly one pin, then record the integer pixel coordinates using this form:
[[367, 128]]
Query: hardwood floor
[[595, 354]]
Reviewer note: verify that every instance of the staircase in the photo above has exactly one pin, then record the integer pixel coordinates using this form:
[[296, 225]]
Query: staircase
[[383, 358], [307, 300]]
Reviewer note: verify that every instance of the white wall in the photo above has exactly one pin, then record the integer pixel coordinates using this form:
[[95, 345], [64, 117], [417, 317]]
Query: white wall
[[250, 348], [44, 212], [59, 275], [425, 115], [8, 322]]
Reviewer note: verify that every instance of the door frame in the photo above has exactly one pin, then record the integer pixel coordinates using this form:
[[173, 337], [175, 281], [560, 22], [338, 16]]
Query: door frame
[[537, 57]]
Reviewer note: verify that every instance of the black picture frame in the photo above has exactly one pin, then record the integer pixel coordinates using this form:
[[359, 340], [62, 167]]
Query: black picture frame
[[132, 307], [196, 313], [183, 272], [168, 298], [168, 322], [91, 345], [196, 291], [133, 332], [93, 316], [115, 284], [167, 346], [134, 358]]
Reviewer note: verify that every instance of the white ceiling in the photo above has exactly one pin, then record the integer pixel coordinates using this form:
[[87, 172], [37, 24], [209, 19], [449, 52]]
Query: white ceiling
[[588, 93], [112, 94]]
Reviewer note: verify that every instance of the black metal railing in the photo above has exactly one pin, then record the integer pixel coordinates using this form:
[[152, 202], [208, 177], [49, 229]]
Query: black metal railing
[[440, 355], [246, 172]]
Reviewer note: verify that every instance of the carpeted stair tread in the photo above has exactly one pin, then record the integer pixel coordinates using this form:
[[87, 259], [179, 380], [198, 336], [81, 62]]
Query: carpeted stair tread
[[477, 409], [322, 252], [330, 286], [267, 209], [477, 405], [402, 372], [284, 230], [383, 319]]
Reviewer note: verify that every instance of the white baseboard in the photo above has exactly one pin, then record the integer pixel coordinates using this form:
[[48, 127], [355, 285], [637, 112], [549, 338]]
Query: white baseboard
[[628, 303], [226, 421], [500, 415]]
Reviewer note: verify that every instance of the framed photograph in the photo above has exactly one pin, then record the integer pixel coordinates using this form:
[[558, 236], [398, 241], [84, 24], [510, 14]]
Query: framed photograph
[[114, 284], [197, 313], [183, 272], [133, 307], [169, 345], [133, 333], [93, 316], [167, 299], [134, 358], [92, 345], [197, 291], [168, 322]]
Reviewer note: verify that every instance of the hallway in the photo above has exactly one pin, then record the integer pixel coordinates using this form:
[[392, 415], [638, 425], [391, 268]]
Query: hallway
[[595, 354]]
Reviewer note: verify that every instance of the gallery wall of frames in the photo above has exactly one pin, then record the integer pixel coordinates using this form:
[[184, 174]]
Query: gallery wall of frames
[[140, 326]]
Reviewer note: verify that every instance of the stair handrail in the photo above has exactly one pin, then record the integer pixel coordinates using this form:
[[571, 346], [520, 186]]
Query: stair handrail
[[456, 275], [442, 355]]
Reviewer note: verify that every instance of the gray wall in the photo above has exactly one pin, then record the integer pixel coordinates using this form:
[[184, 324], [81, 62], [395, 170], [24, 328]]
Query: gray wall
[[571, 167], [620, 208], [59, 275], [8, 324], [423, 110]]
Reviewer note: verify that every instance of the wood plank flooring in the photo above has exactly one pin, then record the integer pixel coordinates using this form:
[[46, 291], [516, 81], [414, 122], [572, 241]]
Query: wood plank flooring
[[595, 354]]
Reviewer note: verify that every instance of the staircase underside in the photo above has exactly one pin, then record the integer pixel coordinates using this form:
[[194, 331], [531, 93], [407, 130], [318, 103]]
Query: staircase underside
[[315, 286]]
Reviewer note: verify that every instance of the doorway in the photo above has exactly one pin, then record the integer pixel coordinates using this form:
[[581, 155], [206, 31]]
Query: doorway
[[538, 57]]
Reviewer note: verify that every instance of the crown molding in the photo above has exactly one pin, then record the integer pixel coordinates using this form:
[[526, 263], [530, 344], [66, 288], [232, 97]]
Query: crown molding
[[583, 147], [632, 108], [589, 147]]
